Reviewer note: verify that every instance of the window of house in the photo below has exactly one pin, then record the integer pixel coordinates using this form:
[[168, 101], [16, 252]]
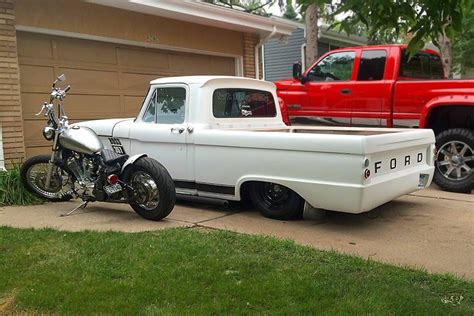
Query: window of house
[[166, 106], [233, 103], [372, 65], [336, 66]]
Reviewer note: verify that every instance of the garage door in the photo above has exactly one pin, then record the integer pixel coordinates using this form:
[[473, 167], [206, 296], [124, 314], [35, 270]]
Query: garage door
[[108, 80]]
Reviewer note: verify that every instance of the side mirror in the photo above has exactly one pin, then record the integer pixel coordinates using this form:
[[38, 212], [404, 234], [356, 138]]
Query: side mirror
[[297, 71], [62, 77]]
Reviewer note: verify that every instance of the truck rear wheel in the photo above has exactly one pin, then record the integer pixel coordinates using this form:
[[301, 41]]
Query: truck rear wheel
[[276, 201], [455, 160]]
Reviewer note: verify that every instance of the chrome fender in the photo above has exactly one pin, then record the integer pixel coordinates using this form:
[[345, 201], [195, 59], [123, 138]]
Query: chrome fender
[[131, 161]]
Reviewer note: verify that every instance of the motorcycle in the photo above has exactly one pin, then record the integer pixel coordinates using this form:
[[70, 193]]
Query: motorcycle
[[79, 167]]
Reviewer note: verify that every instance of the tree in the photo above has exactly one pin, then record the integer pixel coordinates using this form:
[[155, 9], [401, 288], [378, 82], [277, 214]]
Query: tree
[[463, 44], [433, 20], [249, 6]]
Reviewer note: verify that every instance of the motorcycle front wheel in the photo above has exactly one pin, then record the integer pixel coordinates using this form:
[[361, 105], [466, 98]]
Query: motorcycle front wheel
[[152, 193], [33, 177]]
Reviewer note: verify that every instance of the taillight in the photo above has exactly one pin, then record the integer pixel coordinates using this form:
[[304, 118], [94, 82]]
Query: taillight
[[284, 113], [112, 179]]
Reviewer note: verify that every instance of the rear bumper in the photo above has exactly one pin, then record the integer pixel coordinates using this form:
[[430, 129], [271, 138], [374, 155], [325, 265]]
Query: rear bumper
[[357, 199]]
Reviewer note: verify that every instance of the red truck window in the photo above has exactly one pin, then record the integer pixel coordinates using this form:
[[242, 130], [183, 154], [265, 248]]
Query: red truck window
[[336, 66], [421, 66], [372, 65]]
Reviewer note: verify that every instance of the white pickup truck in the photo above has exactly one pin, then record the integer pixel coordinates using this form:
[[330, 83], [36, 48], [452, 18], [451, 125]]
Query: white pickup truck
[[223, 137]]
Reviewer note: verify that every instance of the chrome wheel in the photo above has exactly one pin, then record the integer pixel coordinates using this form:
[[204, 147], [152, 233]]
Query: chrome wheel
[[146, 193], [455, 160], [36, 178]]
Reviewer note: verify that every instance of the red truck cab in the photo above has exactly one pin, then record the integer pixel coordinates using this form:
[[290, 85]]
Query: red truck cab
[[379, 86]]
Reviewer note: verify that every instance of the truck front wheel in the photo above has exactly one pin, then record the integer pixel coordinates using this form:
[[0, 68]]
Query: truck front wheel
[[455, 160], [276, 201]]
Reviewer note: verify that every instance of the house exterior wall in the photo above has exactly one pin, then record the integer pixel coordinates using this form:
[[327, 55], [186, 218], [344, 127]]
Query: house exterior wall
[[279, 56], [10, 103], [80, 19]]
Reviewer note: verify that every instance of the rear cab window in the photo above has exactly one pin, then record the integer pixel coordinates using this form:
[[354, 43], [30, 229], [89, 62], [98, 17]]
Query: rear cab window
[[422, 65], [372, 65], [247, 103]]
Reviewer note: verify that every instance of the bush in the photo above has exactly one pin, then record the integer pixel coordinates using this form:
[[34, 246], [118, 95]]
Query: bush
[[12, 191]]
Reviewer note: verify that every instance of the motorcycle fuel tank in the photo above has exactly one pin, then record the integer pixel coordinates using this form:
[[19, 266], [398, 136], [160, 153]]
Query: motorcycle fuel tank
[[80, 139]]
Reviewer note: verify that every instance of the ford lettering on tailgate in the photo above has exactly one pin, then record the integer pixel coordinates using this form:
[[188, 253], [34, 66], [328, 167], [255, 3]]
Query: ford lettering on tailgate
[[396, 161]]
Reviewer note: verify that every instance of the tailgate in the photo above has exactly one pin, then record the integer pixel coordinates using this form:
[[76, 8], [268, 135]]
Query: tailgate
[[410, 152]]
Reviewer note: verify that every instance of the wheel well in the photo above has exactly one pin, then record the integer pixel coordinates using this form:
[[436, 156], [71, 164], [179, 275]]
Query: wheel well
[[451, 116]]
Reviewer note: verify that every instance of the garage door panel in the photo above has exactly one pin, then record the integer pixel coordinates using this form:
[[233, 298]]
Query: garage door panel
[[34, 151], [136, 84], [92, 81], [132, 105], [191, 64], [92, 106], [143, 58], [86, 51], [108, 80], [36, 78], [33, 45], [32, 103], [223, 66], [33, 132]]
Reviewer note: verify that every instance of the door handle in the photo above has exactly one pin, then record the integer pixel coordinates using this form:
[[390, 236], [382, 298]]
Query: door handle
[[180, 130], [346, 91]]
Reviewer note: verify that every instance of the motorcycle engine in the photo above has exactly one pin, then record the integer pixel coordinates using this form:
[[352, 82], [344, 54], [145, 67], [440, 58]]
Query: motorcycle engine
[[85, 172]]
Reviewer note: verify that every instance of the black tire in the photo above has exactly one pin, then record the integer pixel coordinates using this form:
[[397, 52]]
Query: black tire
[[164, 184], [276, 201], [447, 176], [24, 172]]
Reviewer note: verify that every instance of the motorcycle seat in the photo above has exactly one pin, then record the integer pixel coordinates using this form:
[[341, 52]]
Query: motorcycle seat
[[111, 157]]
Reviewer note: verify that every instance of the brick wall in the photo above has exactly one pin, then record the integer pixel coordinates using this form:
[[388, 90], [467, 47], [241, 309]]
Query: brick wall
[[249, 42], [10, 106]]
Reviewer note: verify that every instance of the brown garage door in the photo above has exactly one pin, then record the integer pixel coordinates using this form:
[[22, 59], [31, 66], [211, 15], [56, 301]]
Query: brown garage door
[[108, 80]]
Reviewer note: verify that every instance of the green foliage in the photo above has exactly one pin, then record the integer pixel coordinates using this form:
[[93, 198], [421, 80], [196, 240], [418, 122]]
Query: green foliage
[[189, 272], [463, 44], [290, 12], [249, 6], [12, 192], [391, 19]]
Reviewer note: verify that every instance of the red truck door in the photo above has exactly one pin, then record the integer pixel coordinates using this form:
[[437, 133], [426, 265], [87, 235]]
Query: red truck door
[[329, 88], [371, 92]]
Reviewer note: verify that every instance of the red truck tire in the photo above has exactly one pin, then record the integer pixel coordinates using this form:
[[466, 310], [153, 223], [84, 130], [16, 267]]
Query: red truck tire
[[454, 160]]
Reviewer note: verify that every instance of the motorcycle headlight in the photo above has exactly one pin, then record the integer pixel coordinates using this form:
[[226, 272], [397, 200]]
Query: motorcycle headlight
[[48, 133]]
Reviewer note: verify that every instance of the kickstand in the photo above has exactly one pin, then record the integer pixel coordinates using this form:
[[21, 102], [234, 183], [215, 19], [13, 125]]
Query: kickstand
[[82, 205]]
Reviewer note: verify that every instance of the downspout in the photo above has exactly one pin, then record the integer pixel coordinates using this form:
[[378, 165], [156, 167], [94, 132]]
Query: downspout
[[257, 48]]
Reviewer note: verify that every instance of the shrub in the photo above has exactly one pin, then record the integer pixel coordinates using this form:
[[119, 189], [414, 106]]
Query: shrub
[[12, 191]]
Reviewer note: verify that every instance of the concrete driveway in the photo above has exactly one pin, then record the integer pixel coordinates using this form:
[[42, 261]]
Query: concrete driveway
[[429, 229]]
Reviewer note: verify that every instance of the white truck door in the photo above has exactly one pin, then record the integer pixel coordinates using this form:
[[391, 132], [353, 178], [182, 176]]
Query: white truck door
[[160, 129]]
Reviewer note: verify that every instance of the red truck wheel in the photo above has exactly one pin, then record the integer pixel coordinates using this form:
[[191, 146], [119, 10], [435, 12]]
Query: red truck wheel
[[455, 160]]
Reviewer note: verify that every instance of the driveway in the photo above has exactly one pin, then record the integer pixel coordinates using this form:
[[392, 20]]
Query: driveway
[[429, 229]]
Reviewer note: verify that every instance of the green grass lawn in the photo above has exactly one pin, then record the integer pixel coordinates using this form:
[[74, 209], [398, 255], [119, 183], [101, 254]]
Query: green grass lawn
[[190, 271]]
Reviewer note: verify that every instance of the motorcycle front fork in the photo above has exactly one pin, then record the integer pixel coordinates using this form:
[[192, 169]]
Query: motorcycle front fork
[[51, 162]]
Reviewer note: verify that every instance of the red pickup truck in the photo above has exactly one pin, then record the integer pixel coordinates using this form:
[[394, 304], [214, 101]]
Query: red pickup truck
[[380, 86]]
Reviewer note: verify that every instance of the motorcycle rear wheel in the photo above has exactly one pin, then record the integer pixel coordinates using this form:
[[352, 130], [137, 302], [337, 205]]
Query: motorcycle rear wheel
[[33, 177], [154, 195]]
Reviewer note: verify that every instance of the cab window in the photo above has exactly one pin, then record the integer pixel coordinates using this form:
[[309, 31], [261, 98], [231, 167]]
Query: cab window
[[166, 106], [421, 66], [334, 67], [372, 65], [249, 103]]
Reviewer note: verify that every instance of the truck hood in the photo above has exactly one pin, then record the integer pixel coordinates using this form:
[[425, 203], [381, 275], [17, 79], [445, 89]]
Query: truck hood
[[103, 127], [285, 84]]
